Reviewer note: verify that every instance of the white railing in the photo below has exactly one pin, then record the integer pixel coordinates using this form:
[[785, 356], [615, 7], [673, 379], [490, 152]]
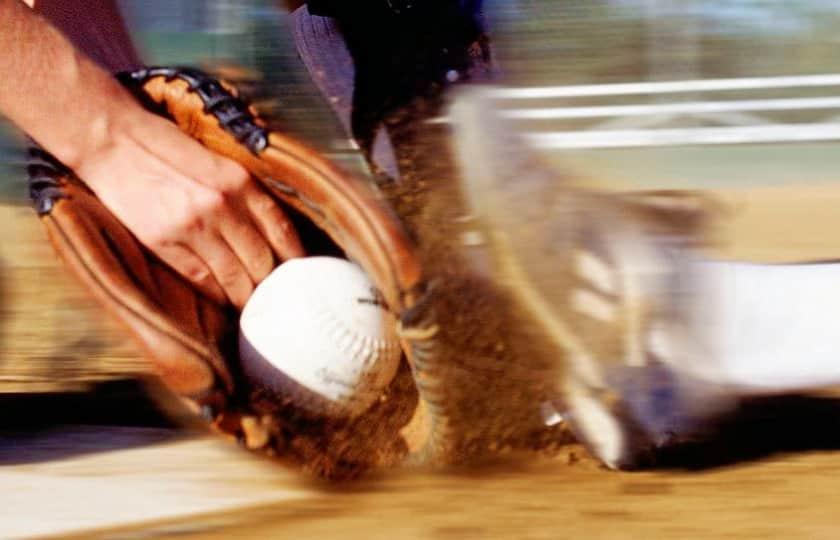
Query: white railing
[[740, 121], [668, 87]]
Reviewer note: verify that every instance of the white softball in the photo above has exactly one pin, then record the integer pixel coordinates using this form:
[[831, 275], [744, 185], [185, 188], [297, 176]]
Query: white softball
[[315, 330]]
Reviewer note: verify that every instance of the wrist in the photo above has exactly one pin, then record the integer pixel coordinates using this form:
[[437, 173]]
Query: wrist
[[109, 137], [93, 109]]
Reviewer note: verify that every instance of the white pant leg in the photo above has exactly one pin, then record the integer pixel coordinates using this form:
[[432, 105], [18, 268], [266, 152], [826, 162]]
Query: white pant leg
[[770, 328]]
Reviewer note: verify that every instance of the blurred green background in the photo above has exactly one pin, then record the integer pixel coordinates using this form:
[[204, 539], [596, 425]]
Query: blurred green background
[[540, 42], [573, 42]]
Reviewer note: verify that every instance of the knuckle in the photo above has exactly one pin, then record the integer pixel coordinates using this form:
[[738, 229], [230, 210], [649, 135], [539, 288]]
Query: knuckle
[[287, 230], [237, 179], [197, 274], [161, 237], [263, 204], [188, 223], [229, 276], [210, 203]]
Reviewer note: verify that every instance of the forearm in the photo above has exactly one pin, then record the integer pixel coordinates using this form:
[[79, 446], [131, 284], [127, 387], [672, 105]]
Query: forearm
[[96, 28], [53, 92]]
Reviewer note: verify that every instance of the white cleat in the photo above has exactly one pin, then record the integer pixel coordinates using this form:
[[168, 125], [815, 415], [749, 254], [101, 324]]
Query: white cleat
[[607, 280]]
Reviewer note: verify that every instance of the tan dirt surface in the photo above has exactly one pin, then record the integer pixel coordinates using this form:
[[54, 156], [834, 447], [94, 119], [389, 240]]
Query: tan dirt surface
[[197, 488]]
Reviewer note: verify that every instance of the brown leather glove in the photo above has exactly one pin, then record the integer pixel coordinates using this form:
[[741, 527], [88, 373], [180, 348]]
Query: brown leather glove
[[192, 340]]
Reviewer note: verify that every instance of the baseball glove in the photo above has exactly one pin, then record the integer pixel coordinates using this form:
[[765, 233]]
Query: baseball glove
[[191, 340]]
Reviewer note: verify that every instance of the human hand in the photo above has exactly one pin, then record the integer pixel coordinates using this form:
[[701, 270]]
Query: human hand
[[199, 212]]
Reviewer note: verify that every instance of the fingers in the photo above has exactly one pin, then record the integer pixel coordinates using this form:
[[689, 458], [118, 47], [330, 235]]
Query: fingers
[[227, 268], [274, 225], [233, 232], [250, 232], [190, 266], [199, 212], [256, 209], [254, 225], [248, 244], [251, 237], [213, 268]]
